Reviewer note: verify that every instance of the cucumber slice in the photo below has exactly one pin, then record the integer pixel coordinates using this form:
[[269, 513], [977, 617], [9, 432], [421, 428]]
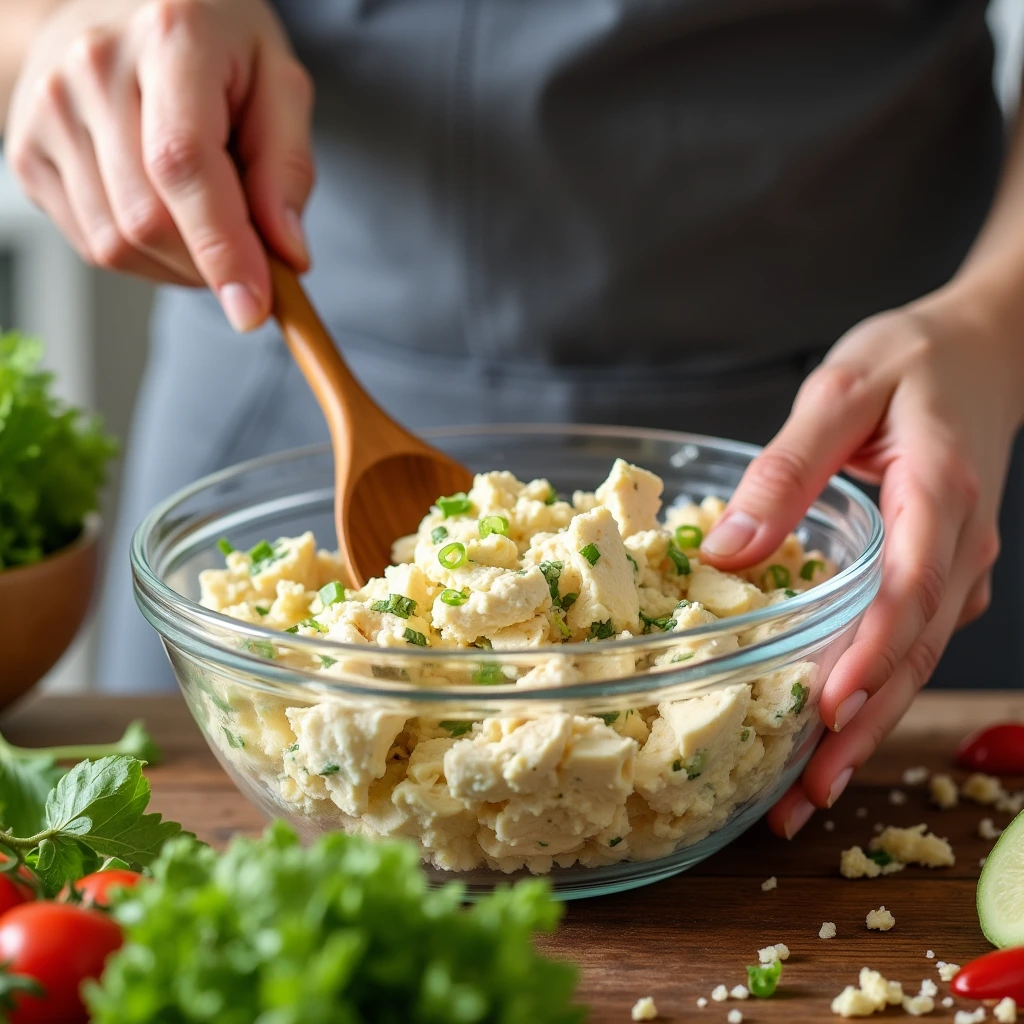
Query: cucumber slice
[[1001, 888]]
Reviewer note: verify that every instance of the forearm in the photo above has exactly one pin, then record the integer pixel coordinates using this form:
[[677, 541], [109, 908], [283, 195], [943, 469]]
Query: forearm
[[20, 20]]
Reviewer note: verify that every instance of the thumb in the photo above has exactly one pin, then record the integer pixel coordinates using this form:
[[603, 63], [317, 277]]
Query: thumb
[[836, 410], [275, 149]]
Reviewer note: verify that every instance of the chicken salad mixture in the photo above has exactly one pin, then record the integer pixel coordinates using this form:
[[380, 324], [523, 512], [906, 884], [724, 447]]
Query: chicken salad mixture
[[511, 566]]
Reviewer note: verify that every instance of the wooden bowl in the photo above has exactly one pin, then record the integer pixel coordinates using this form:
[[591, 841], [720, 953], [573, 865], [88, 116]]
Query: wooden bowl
[[42, 607]]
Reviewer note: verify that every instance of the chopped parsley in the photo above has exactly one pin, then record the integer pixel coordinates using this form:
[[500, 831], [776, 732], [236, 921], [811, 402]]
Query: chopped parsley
[[456, 728], [693, 766], [309, 624], [552, 496], [263, 609], [489, 674], [665, 623], [615, 841], [779, 575], [810, 567], [293, 748], [679, 560], [438, 534], [329, 769], [492, 524], [590, 553], [233, 741], [601, 630], [800, 694], [568, 600], [264, 648], [744, 736], [225, 547], [636, 568], [789, 593], [326, 661], [609, 717], [455, 505], [552, 571], [395, 604], [332, 593], [418, 639]]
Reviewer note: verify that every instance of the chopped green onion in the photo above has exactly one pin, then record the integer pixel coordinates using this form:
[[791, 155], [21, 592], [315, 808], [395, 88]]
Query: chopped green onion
[[590, 553], [744, 736], [762, 980], [610, 717], [263, 555], [456, 505], [387, 672], [779, 575], [677, 765], [261, 551], [233, 741], [665, 624], [451, 556], [329, 769], [493, 524], [679, 560], [552, 571], [880, 857], [263, 609], [694, 766], [800, 695], [489, 674], [415, 638], [552, 496], [682, 657], [636, 568], [403, 607], [615, 841], [483, 643], [264, 648], [542, 844], [688, 537], [309, 623], [456, 728], [438, 534], [601, 630], [810, 567], [293, 748], [225, 547], [568, 600], [454, 598], [326, 661], [789, 593], [332, 593], [562, 627]]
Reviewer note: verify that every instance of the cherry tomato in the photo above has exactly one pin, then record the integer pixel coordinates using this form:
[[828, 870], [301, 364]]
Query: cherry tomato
[[999, 749], [993, 976], [94, 889], [58, 945]]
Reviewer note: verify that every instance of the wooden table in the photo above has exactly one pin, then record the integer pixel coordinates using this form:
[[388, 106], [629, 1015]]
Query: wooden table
[[679, 939]]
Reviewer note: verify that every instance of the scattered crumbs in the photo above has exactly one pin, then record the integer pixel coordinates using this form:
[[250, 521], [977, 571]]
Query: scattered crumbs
[[915, 776], [862, 812], [702, 1002], [944, 792], [967, 1017], [1005, 1011], [879, 828], [918, 1006], [930, 953], [735, 1017], [827, 930], [1011, 803], [644, 1009], [987, 829], [915, 846], [719, 993], [947, 1002], [769, 883], [983, 789], [881, 920], [897, 797], [929, 988], [947, 972], [739, 992], [829, 825]]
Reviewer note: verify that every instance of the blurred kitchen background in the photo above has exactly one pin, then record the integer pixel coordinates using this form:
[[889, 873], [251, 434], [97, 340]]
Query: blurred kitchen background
[[95, 324]]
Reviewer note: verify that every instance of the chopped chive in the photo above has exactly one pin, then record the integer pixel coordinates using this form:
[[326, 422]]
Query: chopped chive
[[456, 728], [810, 567], [789, 593], [615, 841], [415, 638], [483, 643], [666, 623], [601, 630], [395, 604], [264, 648], [744, 736], [332, 593], [456, 505], [225, 547], [552, 571], [263, 609], [233, 741], [261, 551], [310, 624], [329, 769], [568, 600], [694, 766], [562, 627], [762, 980], [438, 534], [489, 674], [610, 717], [779, 576], [800, 695], [326, 661], [451, 556], [387, 672], [552, 496], [590, 553], [679, 560], [636, 568], [493, 524], [682, 657], [454, 598], [688, 537]]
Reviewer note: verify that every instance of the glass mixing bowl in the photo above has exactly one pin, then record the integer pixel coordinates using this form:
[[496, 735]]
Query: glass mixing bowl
[[592, 801]]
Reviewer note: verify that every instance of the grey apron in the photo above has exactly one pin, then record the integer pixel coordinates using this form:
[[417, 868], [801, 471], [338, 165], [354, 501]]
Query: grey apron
[[647, 212]]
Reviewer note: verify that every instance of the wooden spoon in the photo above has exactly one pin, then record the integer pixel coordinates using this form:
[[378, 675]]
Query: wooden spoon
[[385, 479]]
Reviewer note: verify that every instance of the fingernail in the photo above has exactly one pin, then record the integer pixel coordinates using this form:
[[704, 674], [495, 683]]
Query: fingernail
[[838, 785], [241, 306], [732, 533], [293, 223], [798, 817], [848, 708]]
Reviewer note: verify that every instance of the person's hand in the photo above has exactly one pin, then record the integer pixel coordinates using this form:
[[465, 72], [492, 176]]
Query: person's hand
[[164, 137], [924, 400]]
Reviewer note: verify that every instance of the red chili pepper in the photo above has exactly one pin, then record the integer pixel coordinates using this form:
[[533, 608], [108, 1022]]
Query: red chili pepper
[[993, 976], [999, 749]]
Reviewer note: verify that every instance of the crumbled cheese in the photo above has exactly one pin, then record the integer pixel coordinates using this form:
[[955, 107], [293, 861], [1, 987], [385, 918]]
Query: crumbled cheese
[[947, 1002], [1005, 1011], [644, 1009], [1011, 803], [878, 828], [874, 993], [740, 992], [735, 1017], [987, 829], [719, 993], [768, 955], [851, 1002], [929, 988], [967, 1017], [915, 846], [918, 1006], [862, 812], [930, 953], [947, 972], [983, 789], [880, 920], [915, 776], [769, 883], [701, 1003], [827, 930], [944, 792], [829, 825], [897, 797], [855, 863]]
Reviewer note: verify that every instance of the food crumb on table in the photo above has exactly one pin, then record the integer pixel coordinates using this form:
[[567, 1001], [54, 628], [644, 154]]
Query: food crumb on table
[[930, 954], [881, 920], [829, 825], [702, 1002], [915, 776], [969, 1016], [644, 1009], [769, 883], [983, 789], [855, 863], [918, 1006], [735, 1017], [768, 955], [873, 993], [862, 812], [739, 992], [987, 829], [915, 845], [878, 828], [1005, 1011], [929, 988], [827, 930], [944, 791], [947, 1002], [719, 993], [897, 797], [947, 972]]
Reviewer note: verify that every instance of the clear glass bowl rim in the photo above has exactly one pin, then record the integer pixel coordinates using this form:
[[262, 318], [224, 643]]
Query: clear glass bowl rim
[[190, 617]]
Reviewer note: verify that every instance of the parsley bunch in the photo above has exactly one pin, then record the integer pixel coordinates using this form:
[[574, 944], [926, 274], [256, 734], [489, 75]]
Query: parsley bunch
[[52, 459], [342, 931]]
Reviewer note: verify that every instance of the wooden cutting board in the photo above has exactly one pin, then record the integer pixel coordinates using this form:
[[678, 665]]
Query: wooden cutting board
[[678, 939]]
